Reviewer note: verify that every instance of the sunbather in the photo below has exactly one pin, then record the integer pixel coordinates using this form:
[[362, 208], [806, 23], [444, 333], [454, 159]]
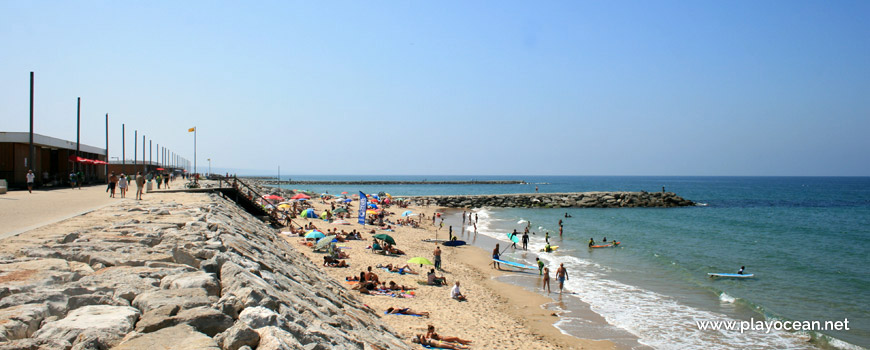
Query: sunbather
[[430, 333], [401, 270], [406, 311], [422, 340], [332, 262], [394, 286]]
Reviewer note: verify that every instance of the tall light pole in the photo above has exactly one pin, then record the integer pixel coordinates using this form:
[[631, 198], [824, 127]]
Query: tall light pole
[[209, 167]]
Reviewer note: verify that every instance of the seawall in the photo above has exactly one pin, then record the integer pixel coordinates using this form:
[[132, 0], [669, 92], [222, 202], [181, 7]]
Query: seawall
[[175, 271], [559, 200]]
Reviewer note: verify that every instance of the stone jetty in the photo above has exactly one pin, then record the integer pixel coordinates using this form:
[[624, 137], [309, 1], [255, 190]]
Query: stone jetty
[[193, 273], [559, 200]]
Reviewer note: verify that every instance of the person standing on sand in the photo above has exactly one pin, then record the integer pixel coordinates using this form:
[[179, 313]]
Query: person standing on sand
[[437, 254], [562, 275], [30, 178], [495, 256], [546, 280], [140, 185]]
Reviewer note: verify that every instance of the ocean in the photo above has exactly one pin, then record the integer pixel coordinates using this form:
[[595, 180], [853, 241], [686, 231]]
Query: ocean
[[806, 239]]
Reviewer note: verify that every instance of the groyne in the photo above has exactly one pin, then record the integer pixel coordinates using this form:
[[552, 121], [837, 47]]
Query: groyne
[[559, 200], [385, 182], [192, 272]]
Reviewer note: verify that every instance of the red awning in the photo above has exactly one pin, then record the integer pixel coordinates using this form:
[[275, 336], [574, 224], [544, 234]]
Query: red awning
[[85, 160], [160, 169]]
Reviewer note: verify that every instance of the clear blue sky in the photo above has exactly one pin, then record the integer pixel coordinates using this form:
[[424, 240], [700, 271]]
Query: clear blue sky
[[455, 87]]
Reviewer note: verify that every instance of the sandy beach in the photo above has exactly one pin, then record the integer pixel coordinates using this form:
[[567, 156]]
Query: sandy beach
[[497, 315]]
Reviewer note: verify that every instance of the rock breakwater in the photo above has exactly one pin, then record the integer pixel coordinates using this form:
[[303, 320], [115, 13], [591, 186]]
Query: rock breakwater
[[197, 273], [559, 200]]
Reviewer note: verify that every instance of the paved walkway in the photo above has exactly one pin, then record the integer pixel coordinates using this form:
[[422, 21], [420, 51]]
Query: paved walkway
[[21, 211]]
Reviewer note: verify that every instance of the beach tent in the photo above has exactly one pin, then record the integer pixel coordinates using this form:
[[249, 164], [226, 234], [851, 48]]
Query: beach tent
[[308, 213]]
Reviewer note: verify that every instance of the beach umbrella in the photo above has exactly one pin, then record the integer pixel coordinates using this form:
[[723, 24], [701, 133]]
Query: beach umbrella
[[344, 192], [314, 234], [420, 260], [284, 206], [339, 210], [407, 213], [374, 196], [382, 194], [323, 242], [513, 237], [372, 205], [385, 237], [308, 213], [300, 196], [274, 197], [348, 200], [371, 212]]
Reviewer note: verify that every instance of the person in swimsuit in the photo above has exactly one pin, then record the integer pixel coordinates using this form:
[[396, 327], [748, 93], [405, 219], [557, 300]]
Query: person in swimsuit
[[422, 340], [546, 279], [430, 333], [740, 272], [406, 311], [495, 256], [562, 275]]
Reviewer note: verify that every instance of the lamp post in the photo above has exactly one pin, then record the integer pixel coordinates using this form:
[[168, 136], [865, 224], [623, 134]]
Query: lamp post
[[209, 167]]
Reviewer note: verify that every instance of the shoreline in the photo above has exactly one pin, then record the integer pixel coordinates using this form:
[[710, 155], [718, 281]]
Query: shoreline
[[515, 316]]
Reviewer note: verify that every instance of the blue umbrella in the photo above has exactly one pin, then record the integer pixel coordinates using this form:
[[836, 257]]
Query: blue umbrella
[[407, 212], [314, 234], [372, 205], [348, 200], [308, 213]]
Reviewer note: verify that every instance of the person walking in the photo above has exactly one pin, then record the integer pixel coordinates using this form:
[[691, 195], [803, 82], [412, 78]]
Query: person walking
[[495, 255], [140, 185], [113, 181], [30, 179], [122, 185], [545, 280], [562, 275], [73, 179], [437, 254]]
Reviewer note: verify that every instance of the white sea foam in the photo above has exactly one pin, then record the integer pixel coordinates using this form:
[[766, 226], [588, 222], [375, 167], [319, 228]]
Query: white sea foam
[[659, 321], [725, 298]]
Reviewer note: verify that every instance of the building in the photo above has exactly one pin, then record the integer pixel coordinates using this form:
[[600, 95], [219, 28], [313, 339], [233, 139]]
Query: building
[[54, 159]]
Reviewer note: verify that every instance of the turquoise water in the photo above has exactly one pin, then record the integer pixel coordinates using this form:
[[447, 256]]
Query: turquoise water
[[805, 238]]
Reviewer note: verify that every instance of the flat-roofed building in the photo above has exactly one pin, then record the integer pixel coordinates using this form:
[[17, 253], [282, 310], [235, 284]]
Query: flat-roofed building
[[53, 160]]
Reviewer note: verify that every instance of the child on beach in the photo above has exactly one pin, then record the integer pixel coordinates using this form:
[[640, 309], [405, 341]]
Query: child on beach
[[546, 279]]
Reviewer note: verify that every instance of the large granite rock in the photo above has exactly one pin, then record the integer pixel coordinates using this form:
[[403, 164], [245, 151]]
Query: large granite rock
[[106, 323], [180, 337]]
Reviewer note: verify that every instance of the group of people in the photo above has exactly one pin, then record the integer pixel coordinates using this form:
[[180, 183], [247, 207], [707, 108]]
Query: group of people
[[122, 183]]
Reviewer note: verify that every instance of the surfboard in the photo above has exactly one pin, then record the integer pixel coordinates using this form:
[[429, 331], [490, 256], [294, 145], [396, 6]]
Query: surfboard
[[453, 243], [614, 244], [510, 263], [731, 275], [552, 248], [435, 240]]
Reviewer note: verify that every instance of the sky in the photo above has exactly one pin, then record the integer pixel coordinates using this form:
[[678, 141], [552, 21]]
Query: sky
[[706, 88]]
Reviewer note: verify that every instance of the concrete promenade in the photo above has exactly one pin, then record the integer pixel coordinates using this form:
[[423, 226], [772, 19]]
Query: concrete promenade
[[21, 211]]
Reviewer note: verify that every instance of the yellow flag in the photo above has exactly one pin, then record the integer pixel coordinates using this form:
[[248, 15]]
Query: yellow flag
[[191, 129]]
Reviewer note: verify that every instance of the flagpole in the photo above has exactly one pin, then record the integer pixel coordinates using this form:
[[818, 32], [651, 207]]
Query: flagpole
[[194, 150]]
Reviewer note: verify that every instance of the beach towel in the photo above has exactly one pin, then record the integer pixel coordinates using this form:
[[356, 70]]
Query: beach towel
[[387, 313]]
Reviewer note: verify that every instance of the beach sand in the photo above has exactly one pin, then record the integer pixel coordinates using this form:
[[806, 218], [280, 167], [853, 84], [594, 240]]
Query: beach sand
[[497, 315]]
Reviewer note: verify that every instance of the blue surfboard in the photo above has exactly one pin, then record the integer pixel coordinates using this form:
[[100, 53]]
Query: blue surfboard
[[511, 263], [731, 275]]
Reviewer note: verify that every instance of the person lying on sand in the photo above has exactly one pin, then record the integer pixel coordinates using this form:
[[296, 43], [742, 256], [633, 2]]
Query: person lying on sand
[[401, 270], [392, 250], [422, 340], [394, 286], [406, 311], [430, 333], [329, 261]]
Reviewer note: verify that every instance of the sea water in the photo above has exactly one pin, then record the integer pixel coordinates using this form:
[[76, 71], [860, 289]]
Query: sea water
[[806, 240]]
